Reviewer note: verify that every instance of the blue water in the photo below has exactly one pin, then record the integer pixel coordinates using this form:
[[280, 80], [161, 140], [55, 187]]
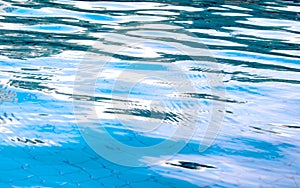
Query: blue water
[[149, 94]]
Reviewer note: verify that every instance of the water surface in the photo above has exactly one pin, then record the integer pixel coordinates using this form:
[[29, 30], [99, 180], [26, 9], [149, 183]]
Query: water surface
[[255, 45]]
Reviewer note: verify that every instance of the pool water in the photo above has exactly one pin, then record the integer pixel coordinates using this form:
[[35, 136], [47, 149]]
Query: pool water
[[149, 93]]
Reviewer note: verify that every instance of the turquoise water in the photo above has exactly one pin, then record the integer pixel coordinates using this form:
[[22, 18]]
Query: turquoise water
[[78, 77]]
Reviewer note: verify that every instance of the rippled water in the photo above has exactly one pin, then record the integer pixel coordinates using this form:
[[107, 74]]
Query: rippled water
[[153, 65]]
